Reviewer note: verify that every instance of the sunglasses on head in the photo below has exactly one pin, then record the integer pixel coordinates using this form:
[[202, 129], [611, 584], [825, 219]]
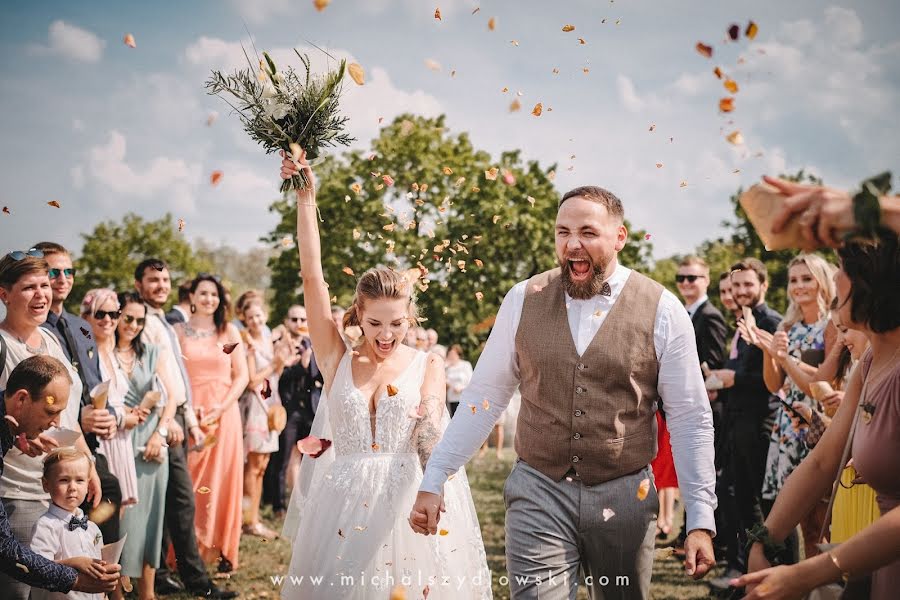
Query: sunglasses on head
[[54, 273], [112, 314], [209, 276], [131, 319], [20, 254], [689, 278]]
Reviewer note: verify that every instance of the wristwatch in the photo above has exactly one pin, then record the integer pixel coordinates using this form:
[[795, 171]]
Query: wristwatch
[[163, 431]]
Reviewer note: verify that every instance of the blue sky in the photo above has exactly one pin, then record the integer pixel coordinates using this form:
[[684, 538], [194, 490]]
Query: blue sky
[[105, 129]]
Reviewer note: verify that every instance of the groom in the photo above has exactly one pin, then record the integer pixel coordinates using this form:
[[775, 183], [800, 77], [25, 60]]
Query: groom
[[594, 348]]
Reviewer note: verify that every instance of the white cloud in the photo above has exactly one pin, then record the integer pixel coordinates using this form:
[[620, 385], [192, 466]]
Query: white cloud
[[170, 182], [77, 125], [71, 43], [628, 95], [77, 174], [257, 12], [844, 26]]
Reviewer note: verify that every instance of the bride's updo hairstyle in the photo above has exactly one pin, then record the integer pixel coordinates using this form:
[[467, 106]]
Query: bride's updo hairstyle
[[377, 284]]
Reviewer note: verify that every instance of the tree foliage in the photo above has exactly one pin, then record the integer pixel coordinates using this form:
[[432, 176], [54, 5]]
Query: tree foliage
[[113, 250], [473, 231]]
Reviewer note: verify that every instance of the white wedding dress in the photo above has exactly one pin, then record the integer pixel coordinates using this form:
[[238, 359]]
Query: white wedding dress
[[349, 508]]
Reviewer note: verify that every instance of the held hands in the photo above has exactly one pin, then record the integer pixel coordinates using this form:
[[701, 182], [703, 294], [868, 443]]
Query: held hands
[[426, 513], [176, 433], [197, 436], [135, 416], [154, 447]]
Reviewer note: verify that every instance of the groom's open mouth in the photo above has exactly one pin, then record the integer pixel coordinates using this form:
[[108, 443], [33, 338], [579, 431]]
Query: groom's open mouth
[[580, 269]]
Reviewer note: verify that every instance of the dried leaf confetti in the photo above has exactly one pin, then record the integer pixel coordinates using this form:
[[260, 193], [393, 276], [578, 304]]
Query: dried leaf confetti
[[705, 50], [229, 348], [659, 165], [726, 105], [53, 203], [180, 225], [128, 40], [731, 85], [443, 532], [348, 271], [357, 73], [568, 28], [392, 390], [479, 296], [735, 138], [643, 489], [491, 174], [608, 514], [321, 4], [734, 32], [215, 177], [515, 105], [6, 210], [313, 446], [437, 14], [537, 110], [203, 490], [683, 184], [492, 23], [751, 30]]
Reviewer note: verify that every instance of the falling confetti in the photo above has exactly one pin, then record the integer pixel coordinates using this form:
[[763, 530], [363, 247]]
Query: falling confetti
[[6, 210], [432, 64], [582, 41], [718, 72], [652, 127], [734, 32], [608, 514], [128, 40], [388, 180], [643, 489], [492, 23], [357, 73], [398, 592], [229, 348], [751, 30], [515, 105], [348, 271], [479, 296], [215, 177], [53, 203], [659, 165], [180, 225], [313, 446], [726, 105], [486, 404], [321, 4], [731, 85], [211, 118], [509, 178], [203, 490], [392, 390], [683, 184], [437, 14], [491, 174], [568, 28], [537, 110], [705, 50], [735, 138], [85, 332], [443, 532], [647, 236]]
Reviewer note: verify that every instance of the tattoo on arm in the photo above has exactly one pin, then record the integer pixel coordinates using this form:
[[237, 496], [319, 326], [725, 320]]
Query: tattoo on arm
[[427, 433]]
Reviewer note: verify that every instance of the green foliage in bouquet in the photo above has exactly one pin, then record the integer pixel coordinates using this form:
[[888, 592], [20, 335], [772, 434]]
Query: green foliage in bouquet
[[282, 110]]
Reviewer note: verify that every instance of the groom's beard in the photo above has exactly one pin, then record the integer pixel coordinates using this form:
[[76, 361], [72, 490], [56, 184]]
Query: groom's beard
[[583, 290]]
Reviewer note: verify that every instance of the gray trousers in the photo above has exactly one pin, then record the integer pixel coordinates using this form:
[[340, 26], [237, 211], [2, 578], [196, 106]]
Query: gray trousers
[[23, 514], [558, 531]]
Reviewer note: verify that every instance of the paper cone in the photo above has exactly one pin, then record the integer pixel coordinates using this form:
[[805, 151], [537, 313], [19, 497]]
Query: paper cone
[[99, 395], [763, 203], [151, 399], [750, 321], [820, 390]]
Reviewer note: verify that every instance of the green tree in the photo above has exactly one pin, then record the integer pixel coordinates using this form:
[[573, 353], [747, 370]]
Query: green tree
[[113, 250], [240, 270], [472, 224]]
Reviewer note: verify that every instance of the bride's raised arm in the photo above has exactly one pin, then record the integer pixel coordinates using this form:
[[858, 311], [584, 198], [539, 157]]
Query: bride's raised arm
[[326, 339]]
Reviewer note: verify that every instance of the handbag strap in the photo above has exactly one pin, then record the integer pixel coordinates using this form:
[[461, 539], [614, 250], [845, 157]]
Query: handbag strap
[[3, 352], [826, 524]]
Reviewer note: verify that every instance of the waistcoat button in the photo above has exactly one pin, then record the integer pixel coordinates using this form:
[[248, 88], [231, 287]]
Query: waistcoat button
[[579, 390], [575, 459], [577, 436], [580, 366], [578, 413]]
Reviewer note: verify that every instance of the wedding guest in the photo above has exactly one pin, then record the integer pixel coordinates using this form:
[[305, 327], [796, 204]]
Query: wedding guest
[[76, 340], [25, 291], [64, 531], [747, 412], [440, 350], [432, 337], [337, 315], [153, 283], [144, 368], [868, 420], [459, 373], [243, 300], [100, 308], [217, 370], [726, 297], [421, 339], [265, 363], [181, 311], [792, 356], [25, 412]]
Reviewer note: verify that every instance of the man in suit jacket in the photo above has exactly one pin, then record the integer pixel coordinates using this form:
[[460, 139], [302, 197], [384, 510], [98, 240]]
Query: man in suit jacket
[[180, 313]]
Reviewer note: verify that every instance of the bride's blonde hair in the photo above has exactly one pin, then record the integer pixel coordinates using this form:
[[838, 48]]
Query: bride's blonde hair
[[377, 284]]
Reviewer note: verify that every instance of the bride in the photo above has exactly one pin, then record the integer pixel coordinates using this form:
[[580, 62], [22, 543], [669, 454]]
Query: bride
[[383, 407]]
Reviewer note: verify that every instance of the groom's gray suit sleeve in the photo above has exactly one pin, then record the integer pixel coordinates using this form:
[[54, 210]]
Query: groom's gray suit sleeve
[[495, 380]]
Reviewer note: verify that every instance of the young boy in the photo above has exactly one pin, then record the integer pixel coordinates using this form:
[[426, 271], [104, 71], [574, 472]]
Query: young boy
[[63, 533]]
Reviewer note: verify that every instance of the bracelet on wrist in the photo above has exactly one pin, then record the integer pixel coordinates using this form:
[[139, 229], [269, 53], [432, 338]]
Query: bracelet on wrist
[[844, 574], [867, 206], [772, 550]]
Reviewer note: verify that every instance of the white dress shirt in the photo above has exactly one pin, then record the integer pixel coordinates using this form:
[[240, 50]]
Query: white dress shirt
[[52, 539], [692, 308], [680, 386]]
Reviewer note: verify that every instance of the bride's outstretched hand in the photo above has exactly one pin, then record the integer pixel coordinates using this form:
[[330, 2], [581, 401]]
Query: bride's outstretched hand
[[291, 168], [426, 513]]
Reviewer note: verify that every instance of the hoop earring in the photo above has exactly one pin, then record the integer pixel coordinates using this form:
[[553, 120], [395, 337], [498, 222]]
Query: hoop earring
[[193, 308]]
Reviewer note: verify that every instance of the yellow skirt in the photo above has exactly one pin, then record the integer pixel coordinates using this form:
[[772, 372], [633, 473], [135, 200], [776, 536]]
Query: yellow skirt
[[854, 508]]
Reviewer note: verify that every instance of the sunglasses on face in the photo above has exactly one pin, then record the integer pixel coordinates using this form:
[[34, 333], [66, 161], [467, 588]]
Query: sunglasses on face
[[20, 254], [296, 319], [112, 314], [131, 319], [688, 278], [69, 273]]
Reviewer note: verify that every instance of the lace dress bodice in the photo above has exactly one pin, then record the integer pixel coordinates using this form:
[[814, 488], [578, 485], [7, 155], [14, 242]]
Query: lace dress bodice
[[394, 414]]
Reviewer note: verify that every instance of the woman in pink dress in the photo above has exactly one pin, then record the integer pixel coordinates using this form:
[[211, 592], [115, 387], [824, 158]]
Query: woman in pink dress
[[217, 368]]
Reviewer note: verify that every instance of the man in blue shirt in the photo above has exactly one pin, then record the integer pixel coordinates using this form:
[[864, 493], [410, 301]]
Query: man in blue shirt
[[74, 335], [36, 393]]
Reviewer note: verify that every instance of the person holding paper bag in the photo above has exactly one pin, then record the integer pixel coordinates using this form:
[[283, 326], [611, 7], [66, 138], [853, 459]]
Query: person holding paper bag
[[143, 523]]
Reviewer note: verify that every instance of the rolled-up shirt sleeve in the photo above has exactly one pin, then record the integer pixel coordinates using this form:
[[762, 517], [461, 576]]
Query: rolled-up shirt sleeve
[[21, 563], [688, 413], [483, 401]]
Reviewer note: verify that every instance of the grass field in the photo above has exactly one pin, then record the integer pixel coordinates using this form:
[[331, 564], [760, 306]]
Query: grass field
[[260, 559]]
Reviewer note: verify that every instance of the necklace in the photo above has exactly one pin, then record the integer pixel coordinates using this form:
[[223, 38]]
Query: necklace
[[868, 408], [24, 341], [190, 331], [126, 364]]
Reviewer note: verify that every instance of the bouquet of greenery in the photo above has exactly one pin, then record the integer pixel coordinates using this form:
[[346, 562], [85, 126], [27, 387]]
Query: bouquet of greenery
[[285, 111]]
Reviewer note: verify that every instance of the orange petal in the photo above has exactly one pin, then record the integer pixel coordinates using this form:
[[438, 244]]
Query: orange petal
[[643, 489], [751, 30], [203, 490], [321, 4], [705, 50], [215, 177], [392, 390], [537, 110], [348, 271], [568, 28], [313, 446], [515, 105], [717, 72], [731, 85], [726, 105], [229, 348], [357, 73], [129, 41], [735, 138], [443, 532], [53, 203], [398, 592], [447, 171], [492, 23]]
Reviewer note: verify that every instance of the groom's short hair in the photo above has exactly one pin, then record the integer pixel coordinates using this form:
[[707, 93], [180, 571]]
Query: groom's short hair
[[599, 195]]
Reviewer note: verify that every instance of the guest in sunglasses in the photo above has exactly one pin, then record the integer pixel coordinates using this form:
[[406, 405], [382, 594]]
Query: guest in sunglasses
[[74, 335], [145, 369], [25, 292], [100, 308]]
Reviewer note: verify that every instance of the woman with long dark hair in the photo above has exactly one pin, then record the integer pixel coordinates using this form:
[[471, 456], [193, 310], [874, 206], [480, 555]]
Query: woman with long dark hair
[[216, 363]]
